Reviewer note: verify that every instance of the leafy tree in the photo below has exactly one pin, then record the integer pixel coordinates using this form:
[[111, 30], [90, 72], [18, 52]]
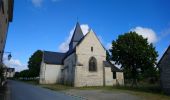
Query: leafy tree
[[135, 54], [108, 57], [1, 73], [17, 75], [34, 63], [24, 73]]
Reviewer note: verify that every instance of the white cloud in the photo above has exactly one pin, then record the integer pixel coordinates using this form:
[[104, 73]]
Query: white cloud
[[14, 63], [37, 3], [63, 47], [165, 33], [108, 46], [146, 33]]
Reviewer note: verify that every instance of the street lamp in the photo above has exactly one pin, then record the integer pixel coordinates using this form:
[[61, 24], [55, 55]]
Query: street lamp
[[9, 55]]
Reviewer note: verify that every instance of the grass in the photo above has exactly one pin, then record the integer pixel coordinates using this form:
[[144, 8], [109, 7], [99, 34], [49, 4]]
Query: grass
[[56, 87], [145, 92]]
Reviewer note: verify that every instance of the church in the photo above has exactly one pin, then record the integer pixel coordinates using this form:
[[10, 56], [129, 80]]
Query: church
[[84, 64]]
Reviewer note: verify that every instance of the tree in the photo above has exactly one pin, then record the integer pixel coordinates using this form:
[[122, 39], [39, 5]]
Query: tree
[[134, 54], [17, 75], [108, 57], [1, 73], [34, 63]]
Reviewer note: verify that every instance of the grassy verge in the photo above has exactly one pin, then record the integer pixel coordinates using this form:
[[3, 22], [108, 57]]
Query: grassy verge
[[144, 92]]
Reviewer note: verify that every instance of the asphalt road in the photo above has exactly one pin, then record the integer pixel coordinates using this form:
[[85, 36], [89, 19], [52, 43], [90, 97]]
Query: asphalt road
[[23, 91]]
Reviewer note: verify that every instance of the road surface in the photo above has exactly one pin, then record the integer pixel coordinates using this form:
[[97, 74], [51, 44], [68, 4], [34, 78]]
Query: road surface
[[23, 91]]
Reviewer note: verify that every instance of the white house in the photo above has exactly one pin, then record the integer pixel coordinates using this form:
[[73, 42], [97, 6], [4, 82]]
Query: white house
[[84, 64]]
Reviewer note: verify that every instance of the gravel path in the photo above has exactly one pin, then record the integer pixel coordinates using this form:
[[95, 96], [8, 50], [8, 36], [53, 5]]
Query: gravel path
[[101, 95]]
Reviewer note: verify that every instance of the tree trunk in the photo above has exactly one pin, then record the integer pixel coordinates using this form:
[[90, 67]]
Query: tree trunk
[[134, 76]]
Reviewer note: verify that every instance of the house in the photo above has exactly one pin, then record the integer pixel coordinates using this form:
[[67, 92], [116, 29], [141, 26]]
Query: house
[[164, 66], [84, 64], [9, 72], [6, 15]]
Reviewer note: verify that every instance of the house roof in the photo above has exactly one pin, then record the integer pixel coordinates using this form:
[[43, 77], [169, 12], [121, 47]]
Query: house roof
[[164, 55], [113, 67], [53, 57]]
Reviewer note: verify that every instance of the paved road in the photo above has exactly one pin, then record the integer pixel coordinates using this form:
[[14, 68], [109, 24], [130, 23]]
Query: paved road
[[23, 91]]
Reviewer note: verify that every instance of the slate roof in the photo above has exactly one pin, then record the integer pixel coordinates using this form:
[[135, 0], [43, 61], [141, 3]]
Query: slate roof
[[113, 67], [164, 55], [53, 57], [77, 35]]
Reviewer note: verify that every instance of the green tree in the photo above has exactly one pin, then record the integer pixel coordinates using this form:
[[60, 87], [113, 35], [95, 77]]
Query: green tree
[[24, 73], [34, 63], [135, 54], [1, 73], [108, 57], [17, 75]]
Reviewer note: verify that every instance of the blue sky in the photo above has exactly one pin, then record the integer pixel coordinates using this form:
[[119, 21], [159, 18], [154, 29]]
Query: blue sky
[[47, 24]]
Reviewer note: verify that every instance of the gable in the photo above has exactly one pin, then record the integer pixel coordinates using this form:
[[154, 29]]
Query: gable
[[165, 57], [88, 42]]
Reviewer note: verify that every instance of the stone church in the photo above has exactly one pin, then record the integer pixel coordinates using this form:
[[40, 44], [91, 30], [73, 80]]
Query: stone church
[[84, 64]]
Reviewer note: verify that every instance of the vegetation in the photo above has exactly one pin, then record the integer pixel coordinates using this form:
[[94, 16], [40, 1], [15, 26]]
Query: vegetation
[[34, 64], [136, 56]]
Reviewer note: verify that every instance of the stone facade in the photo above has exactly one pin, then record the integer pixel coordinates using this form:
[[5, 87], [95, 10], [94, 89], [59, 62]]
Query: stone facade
[[6, 13], [77, 70], [49, 72]]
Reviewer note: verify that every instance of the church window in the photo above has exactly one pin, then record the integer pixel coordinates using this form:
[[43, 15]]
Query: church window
[[92, 64], [91, 49], [114, 75]]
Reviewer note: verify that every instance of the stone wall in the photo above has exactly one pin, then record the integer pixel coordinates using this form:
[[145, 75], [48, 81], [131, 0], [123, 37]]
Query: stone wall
[[119, 78], [69, 69], [89, 47], [50, 74], [109, 81], [3, 25]]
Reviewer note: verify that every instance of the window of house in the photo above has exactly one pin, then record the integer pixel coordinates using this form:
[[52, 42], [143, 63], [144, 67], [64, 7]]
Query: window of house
[[114, 75], [92, 64], [91, 49]]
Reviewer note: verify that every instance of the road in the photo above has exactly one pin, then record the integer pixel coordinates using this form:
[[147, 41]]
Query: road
[[23, 91]]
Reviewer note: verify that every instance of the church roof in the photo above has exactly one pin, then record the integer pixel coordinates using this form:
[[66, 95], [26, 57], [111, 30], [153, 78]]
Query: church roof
[[77, 35], [53, 57], [166, 52], [113, 67]]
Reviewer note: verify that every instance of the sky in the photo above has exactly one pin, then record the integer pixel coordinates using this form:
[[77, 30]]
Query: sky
[[49, 24]]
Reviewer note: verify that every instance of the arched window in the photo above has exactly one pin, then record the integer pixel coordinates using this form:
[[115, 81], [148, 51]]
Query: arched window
[[92, 64]]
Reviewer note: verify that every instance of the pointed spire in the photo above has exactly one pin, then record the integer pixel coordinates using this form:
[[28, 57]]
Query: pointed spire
[[77, 35]]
